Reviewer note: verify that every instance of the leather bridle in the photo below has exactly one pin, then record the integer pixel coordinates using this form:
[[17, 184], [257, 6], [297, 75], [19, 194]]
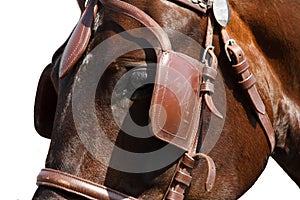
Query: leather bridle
[[182, 177]]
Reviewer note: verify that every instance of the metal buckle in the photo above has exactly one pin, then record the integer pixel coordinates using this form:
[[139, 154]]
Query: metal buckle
[[229, 42], [210, 47]]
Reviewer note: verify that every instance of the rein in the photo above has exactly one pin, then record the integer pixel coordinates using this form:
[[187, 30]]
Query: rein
[[182, 177]]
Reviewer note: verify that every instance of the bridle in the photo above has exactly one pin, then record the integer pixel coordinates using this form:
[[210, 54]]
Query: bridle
[[182, 177]]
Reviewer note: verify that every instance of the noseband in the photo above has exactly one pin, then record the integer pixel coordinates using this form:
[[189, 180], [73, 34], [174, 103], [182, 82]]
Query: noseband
[[183, 175]]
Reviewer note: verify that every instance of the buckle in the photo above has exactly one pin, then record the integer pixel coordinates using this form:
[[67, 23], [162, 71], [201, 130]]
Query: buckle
[[210, 47], [229, 43]]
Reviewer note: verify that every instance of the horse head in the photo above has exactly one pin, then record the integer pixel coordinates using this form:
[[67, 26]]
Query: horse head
[[97, 100]]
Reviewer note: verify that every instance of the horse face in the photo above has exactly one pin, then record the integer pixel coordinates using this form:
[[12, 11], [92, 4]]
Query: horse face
[[67, 149], [54, 115]]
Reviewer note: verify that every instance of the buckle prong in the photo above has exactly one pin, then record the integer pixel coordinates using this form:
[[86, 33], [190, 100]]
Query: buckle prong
[[229, 42], [210, 47]]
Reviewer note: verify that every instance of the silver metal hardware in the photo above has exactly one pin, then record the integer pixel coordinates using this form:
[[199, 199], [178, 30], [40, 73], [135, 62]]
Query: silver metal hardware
[[205, 52], [221, 11], [229, 42]]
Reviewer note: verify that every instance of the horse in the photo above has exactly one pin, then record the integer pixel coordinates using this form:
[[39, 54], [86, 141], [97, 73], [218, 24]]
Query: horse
[[87, 162]]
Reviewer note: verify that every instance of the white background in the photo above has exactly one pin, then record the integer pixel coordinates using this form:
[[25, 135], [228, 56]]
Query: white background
[[30, 32]]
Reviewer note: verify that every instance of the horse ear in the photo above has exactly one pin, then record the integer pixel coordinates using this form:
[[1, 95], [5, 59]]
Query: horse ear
[[45, 104]]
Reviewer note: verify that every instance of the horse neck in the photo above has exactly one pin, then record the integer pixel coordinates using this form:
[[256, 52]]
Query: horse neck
[[275, 66], [286, 122], [287, 129], [276, 35]]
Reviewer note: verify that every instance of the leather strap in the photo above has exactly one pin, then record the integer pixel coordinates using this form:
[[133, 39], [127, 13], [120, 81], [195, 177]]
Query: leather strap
[[210, 71], [142, 17], [79, 39], [183, 175], [210, 180], [182, 178], [82, 187], [241, 66]]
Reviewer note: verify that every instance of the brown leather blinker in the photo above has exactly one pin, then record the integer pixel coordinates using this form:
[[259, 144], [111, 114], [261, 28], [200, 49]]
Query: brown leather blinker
[[175, 103]]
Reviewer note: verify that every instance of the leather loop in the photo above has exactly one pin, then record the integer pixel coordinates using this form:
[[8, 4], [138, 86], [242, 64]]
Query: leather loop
[[183, 178], [188, 161], [174, 195], [207, 87], [209, 72], [248, 82], [241, 67]]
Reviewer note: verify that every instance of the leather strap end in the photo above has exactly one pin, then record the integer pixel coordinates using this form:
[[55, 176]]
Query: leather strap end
[[211, 174], [211, 106], [268, 128], [256, 100]]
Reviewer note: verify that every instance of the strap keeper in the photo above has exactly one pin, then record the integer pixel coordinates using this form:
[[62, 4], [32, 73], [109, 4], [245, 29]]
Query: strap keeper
[[207, 87], [188, 161], [174, 195], [241, 67], [209, 72], [183, 177], [248, 82]]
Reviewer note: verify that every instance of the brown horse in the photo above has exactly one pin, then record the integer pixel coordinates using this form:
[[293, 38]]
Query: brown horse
[[268, 33]]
